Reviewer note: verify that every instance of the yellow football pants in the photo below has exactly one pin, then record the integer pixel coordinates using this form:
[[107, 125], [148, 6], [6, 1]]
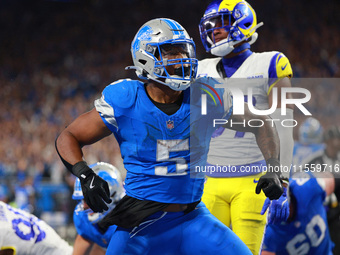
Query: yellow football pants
[[234, 202]]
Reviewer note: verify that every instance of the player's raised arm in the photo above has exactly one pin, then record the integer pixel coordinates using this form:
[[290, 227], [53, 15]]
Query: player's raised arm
[[268, 141]]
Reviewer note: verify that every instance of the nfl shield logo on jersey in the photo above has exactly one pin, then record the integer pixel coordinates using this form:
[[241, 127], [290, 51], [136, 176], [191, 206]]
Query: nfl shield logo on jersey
[[170, 124]]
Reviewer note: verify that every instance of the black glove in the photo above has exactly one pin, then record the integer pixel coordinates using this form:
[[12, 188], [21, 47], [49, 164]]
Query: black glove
[[270, 183], [95, 189]]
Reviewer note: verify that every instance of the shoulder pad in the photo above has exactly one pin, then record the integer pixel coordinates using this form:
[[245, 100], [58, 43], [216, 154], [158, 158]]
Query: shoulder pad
[[203, 64], [280, 66], [121, 93], [209, 60], [306, 182]]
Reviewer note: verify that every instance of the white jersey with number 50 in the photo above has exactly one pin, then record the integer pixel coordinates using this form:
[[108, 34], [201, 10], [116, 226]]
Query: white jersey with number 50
[[258, 72], [25, 234]]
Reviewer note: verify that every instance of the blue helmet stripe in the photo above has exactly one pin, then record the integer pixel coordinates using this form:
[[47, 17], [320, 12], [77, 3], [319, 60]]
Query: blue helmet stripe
[[177, 29]]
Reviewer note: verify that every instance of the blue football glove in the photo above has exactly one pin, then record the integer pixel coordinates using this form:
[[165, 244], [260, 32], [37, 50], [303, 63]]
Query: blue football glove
[[278, 209]]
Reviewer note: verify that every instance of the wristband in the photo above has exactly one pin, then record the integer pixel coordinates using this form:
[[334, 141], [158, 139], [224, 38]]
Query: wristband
[[81, 169], [273, 166]]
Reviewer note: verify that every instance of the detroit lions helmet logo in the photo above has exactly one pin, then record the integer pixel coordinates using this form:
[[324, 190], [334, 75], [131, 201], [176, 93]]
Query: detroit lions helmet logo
[[142, 35]]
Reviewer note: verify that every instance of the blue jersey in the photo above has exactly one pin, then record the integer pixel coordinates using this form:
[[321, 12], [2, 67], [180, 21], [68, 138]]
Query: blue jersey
[[303, 154], [308, 232], [159, 149], [91, 231]]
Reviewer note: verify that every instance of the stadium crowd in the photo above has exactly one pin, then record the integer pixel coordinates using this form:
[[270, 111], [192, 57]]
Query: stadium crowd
[[56, 57]]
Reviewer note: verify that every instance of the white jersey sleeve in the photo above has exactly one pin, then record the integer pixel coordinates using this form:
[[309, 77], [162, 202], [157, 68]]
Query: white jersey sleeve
[[28, 235]]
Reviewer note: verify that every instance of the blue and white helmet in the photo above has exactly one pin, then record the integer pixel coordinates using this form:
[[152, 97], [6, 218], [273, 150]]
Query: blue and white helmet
[[310, 131], [156, 36], [236, 17], [112, 176]]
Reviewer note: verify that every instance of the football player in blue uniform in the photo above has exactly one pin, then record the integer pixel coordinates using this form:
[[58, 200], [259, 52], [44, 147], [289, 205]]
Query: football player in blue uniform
[[90, 237], [306, 230], [329, 160], [309, 144], [162, 141]]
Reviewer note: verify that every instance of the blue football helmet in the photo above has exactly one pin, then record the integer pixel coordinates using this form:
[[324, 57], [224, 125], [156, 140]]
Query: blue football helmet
[[236, 17], [112, 176], [310, 131], [149, 47]]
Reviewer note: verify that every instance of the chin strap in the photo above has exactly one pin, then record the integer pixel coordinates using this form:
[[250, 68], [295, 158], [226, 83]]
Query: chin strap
[[139, 71], [241, 47], [137, 68], [254, 36], [170, 83]]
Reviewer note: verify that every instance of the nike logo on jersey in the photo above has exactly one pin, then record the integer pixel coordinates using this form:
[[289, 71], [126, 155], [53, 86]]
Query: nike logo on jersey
[[91, 184], [255, 181], [284, 67]]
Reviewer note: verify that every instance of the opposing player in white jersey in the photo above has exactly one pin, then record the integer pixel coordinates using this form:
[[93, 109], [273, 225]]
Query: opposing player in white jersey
[[22, 233], [92, 239], [227, 30]]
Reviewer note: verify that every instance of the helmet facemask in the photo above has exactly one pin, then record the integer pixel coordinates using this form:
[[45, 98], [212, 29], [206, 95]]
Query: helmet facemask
[[151, 56], [175, 64], [240, 24]]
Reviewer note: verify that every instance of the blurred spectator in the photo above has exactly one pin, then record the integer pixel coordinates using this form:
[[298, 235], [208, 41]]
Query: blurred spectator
[[4, 193], [24, 195]]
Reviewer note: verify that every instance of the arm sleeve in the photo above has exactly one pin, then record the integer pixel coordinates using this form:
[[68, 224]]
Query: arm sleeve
[[106, 112], [286, 139]]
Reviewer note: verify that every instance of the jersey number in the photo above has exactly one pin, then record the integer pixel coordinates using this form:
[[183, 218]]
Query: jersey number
[[164, 147], [315, 231], [26, 228]]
